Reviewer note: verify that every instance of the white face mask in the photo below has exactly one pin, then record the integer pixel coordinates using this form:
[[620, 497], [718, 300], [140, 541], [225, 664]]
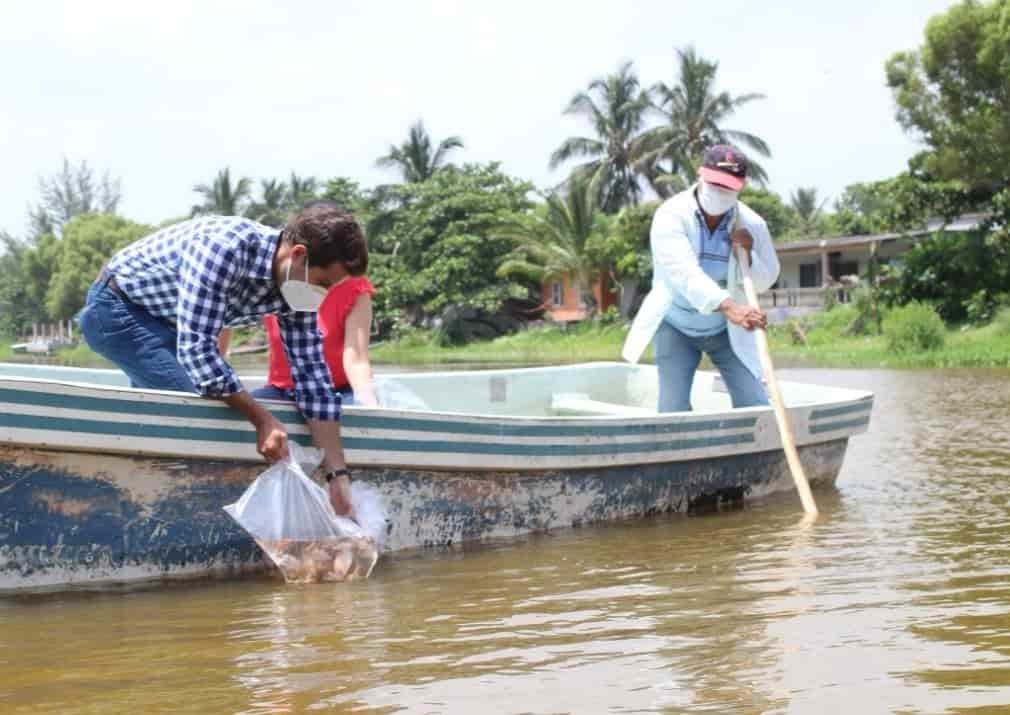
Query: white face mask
[[715, 200], [301, 296]]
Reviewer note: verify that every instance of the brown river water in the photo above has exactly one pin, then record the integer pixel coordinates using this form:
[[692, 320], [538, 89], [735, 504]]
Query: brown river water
[[896, 601]]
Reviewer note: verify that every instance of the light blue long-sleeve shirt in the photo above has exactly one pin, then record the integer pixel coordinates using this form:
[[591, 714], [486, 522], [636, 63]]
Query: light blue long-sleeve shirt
[[713, 257]]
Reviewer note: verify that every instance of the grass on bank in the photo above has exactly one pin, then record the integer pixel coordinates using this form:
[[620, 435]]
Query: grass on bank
[[586, 342], [827, 346]]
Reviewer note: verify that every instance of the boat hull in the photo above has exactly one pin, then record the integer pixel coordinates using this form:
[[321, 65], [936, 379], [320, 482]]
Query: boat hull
[[78, 518]]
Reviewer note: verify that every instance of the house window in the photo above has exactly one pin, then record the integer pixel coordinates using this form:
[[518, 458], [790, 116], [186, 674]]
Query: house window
[[557, 293], [810, 275]]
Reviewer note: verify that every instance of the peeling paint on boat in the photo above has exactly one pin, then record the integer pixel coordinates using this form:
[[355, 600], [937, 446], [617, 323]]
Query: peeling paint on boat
[[80, 503]]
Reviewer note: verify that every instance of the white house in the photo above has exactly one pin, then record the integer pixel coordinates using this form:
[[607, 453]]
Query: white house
[[811, 267]]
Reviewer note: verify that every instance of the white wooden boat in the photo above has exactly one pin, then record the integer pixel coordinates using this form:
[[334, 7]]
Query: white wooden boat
[[101, 482]]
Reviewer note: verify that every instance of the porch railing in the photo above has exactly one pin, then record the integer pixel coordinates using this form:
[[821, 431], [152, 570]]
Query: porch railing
[[800, 297]]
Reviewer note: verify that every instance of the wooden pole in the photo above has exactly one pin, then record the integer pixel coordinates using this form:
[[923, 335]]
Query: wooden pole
[[785, 430]]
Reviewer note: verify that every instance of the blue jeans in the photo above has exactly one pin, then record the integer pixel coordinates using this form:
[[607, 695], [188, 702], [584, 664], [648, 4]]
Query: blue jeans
[[139, 344], [269, 392], [677, 358]]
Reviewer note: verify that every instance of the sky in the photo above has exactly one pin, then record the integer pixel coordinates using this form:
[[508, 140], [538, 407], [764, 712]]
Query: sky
[[164, 94]]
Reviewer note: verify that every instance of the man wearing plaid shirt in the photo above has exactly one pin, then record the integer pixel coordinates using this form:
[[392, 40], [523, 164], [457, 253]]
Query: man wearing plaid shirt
[[158, 307]]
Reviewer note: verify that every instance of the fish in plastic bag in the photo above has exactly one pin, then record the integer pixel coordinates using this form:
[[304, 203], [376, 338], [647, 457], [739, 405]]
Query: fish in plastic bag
[[292, 520]]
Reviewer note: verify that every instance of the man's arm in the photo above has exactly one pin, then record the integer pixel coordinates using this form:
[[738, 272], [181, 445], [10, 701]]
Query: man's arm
[[316, 397], [205, 277]]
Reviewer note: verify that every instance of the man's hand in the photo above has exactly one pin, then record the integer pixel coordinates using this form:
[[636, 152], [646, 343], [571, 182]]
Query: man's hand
[[743, 315], [340, 495], [741, 237], [271, 439]]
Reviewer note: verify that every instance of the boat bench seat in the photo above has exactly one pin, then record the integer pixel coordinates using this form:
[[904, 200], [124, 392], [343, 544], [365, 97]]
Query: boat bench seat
[[577, 403]]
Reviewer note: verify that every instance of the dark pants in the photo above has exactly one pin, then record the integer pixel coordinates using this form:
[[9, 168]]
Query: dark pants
[[139, 344]]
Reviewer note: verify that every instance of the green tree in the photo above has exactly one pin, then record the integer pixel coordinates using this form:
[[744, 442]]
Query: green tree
[[345, 193], [615, 107], [88, 242], [222, 197], [272, 207], [809, 212], [781, 219], [954, 92], [416, 159], [301, 190], [14, 313], [622, 248], [72, 191], [694, 115], [862, 209], [38, 266], [552, 241], [444, 244]]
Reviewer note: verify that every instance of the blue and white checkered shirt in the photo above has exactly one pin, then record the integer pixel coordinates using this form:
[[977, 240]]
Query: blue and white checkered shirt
[[217, 271]]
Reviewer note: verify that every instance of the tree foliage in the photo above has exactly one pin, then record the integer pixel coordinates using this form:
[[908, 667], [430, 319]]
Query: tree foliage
[[88, 242], [444, 244], [954, 92], [615, 106], [417, 159], [694, 115], [222, 197], [553, 240], [72, 191], [781, 219]]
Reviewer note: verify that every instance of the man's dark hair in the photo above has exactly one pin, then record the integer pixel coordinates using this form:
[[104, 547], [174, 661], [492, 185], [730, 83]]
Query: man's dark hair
[[329, 234]]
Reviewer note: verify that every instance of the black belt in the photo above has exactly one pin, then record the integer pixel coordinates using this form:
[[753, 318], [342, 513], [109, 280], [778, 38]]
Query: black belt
[[108, 280]]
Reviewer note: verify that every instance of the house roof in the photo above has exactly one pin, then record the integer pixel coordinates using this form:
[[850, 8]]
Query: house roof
[[966, 222]]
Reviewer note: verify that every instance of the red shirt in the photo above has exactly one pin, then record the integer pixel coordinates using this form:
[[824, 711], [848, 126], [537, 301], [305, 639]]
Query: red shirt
[[333, 312]]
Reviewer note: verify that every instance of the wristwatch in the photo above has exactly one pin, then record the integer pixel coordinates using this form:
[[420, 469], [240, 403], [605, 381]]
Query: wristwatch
[[332, 474]]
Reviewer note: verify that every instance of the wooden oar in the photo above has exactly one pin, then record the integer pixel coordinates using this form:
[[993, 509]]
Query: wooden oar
[[785, 430]]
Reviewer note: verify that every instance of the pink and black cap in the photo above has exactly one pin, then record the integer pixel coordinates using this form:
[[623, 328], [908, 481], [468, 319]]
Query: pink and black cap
[[724, 165]]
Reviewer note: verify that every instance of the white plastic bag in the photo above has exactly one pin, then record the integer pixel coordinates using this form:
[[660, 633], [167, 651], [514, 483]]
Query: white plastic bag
[[291, 519]]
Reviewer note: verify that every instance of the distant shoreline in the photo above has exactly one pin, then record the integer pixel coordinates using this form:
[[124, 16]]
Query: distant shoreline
[[983, 347]]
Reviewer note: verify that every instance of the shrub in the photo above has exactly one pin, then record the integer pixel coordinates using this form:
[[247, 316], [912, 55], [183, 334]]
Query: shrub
[[915, 326], [1002, 321]]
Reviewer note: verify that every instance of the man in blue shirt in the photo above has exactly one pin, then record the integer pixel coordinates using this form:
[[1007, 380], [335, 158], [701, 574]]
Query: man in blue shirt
[[696, 304], [159, 305]]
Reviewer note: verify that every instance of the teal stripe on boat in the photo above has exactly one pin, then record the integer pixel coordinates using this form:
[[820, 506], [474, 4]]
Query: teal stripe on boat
[[134, 407], [843, 424], [291, 417], [539, 450], [500, 429], [126, 429], [826, 412]]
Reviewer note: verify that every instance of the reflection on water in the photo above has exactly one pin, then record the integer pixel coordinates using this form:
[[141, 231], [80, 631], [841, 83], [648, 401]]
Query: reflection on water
[[897, 600]]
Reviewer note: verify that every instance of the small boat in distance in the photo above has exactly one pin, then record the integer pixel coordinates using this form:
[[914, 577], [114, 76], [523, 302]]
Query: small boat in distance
[[103, 483]]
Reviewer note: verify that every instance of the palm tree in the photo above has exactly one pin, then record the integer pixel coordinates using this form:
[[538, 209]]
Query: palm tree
[[551, 242], [694, 116], [615, 105], [415, 158], [301, 190], [221, 197], [804, 203], [273, 203]]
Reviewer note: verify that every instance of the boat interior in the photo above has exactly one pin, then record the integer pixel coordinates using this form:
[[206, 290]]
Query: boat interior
[[607, 389]]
